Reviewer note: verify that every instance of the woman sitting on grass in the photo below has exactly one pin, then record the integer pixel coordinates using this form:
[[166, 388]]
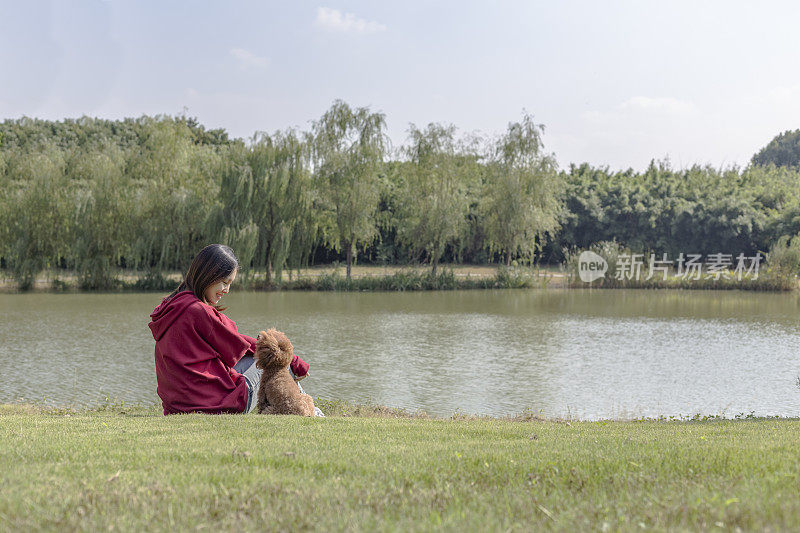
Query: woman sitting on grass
[[203, 363]]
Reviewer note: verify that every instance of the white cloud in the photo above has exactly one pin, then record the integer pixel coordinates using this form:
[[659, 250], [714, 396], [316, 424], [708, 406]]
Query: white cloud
[[248, 60], [334, 20], [659, 104]]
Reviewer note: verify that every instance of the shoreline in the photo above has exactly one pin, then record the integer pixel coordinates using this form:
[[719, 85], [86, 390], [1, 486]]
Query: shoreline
[[307, 278], [328, 278], [341, 408]]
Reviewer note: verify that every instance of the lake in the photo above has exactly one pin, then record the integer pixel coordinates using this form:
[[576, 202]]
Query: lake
[[569, 353]]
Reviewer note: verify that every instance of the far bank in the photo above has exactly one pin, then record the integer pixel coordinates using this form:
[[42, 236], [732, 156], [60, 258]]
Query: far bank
[[405, 278]]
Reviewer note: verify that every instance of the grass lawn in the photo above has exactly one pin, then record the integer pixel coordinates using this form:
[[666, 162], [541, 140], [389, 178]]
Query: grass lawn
[[134, 469]]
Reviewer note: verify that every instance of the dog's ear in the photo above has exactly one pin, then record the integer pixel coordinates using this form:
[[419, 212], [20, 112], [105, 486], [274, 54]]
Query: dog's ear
[[266, 349], [285, 353], [283, 341]]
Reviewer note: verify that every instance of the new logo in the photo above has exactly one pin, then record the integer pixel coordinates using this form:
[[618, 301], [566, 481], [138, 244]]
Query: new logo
[[591, 266]]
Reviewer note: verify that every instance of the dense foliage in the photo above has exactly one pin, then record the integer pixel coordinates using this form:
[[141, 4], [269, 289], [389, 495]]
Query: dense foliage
[[782, 151], [95, 196], [695, 210]]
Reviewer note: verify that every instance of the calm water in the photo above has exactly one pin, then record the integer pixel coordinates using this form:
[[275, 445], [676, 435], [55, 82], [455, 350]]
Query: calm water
[[598, 354]]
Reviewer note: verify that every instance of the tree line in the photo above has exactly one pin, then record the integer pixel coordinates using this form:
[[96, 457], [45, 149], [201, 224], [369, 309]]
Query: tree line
[[95, 196]]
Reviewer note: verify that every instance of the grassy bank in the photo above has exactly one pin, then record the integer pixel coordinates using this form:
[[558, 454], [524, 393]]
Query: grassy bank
[[767, 282], [394, 278], [133, 469], [327, 278]]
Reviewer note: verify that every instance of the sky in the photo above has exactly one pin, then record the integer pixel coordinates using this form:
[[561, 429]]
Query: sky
[[615, 83]]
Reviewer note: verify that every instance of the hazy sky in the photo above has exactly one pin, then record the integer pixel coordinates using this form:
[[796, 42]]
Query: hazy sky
[[615, 83]]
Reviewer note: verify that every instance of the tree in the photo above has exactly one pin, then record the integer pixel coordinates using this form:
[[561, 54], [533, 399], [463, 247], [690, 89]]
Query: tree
[[282, 200], [265, 196], [39, 213], [782, 151], [436, 202], [348, 150], [102, 232], [230, 221], [522, 195], [174, 182]]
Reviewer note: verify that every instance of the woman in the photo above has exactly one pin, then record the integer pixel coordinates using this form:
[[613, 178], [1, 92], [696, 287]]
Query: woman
[[203, 363]]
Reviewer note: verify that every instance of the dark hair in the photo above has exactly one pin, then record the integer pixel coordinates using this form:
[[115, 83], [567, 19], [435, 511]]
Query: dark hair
[[213, 263]]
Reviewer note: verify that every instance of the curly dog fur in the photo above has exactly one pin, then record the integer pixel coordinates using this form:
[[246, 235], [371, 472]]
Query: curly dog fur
[[278, 394]]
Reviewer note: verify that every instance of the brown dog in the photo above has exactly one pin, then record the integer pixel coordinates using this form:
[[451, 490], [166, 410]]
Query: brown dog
[[278, 394]]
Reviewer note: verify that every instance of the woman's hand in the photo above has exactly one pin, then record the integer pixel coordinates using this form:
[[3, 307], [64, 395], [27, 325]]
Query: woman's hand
[[298, 378]]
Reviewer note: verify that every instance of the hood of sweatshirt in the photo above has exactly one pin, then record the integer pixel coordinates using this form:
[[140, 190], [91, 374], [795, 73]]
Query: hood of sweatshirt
[[168, 312]]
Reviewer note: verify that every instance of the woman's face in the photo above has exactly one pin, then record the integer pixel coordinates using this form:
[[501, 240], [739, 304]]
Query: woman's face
[[218, 289]]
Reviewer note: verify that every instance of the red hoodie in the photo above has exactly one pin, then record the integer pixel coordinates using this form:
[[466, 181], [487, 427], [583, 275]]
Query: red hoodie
[[196, 349]]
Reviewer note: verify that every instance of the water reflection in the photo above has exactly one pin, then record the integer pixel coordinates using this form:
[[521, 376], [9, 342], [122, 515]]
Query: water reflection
[[590, 354]]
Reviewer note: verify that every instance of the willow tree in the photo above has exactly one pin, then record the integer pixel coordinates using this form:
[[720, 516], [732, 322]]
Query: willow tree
[[5, 206], [522, 195], [282, 200], [263, 208], [39, 212], [348, 150], [175, 186], [230, 219], [102, 233], [435, 191]]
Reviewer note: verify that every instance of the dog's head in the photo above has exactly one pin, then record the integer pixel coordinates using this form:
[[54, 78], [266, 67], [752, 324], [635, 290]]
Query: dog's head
[[273, 350]]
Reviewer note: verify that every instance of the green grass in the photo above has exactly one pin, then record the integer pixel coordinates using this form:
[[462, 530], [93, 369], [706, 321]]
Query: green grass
[[449, 277], [411, 280], [766, 281], [134, 469]]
